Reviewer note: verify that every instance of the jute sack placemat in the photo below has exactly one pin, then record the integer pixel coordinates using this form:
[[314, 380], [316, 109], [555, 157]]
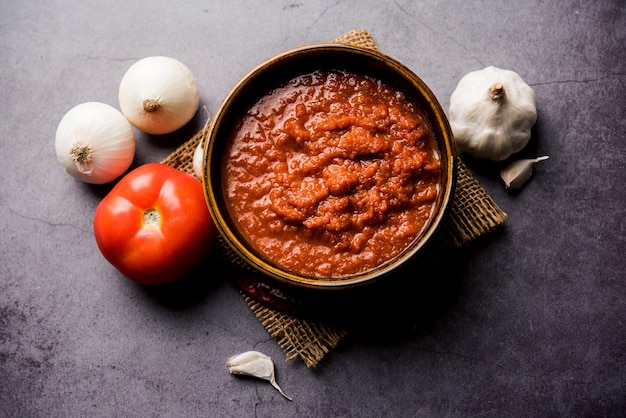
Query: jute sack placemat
[[473, 214]]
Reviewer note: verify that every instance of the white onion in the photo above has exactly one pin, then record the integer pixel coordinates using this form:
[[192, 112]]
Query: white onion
[[158, 95], [95, 143]]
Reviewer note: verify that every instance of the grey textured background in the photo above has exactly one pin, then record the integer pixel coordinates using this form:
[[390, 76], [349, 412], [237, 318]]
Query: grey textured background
[[532, 325]]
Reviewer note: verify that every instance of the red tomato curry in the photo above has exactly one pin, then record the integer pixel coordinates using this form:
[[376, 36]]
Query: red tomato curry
[[332, 174]]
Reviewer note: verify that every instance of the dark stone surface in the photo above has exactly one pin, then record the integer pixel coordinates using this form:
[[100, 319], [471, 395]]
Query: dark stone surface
[[532, 324]]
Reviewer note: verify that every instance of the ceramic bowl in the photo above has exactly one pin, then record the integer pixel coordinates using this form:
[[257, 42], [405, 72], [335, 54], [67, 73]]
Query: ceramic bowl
[[282, 67]]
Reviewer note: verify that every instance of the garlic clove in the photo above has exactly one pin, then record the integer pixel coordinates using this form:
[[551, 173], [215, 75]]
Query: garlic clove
[[255, 364], [197, 159], [517, 173], [198, 153]]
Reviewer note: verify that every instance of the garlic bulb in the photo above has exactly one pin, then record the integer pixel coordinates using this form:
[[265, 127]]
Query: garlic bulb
[[255, 364], [95, 143], [517, 173], [158, 95], [491, 113]]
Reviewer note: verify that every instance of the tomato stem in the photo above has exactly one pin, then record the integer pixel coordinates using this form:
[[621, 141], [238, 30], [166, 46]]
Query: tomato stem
[[151, 218]]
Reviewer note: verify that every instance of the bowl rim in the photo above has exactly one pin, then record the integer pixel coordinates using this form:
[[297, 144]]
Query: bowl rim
[[282, 276]]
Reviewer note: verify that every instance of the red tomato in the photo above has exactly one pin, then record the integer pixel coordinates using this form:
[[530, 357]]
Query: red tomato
[[154, 226]]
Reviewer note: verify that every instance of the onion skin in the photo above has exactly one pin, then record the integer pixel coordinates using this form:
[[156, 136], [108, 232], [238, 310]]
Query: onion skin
[[158, 95], [95, 143]]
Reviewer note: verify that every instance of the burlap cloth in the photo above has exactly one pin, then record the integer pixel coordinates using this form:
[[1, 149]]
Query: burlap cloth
[[473, 214]]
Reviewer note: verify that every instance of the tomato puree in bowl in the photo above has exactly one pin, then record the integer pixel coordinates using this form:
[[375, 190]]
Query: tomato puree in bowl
[[331, 174]]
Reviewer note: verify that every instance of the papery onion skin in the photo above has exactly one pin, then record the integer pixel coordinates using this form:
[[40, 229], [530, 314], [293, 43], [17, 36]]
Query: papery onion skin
[[158, 95], [101, 136]]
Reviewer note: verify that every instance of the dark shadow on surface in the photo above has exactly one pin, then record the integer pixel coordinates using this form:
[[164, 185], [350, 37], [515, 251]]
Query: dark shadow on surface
[[400, 305], [192, 289], [180, 136], [488, 171], [101, 190], [397, 307], [414, 301], [482, 166], [487, 168]]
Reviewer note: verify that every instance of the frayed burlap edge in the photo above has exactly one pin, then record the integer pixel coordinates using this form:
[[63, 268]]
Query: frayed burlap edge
[[473, 214], [182, 158], [308, 340], [359, 37]]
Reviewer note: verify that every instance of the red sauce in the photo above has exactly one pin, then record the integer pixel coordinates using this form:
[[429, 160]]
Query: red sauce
[[332, 174]]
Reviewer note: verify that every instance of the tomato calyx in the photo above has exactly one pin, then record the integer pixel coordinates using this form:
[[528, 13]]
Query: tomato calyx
[[152, 218]]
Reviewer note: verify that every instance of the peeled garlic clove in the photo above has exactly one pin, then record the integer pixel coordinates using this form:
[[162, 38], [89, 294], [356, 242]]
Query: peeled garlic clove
[[198, 153], [197, 159], [516, 174], [255, 364]]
